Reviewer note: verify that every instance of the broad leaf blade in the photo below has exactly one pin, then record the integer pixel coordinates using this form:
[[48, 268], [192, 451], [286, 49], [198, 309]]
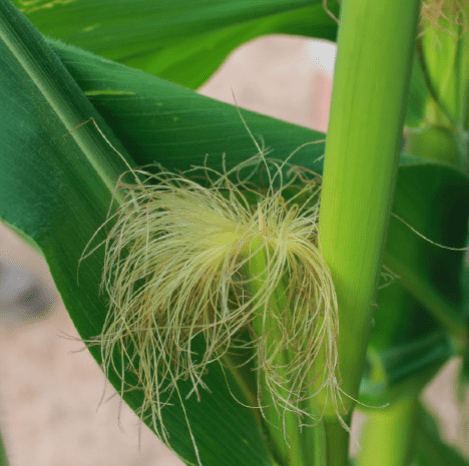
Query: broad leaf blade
[[193, 61], [181, 40], [161, 122], [410, 341], [57, 191], [430, 449]]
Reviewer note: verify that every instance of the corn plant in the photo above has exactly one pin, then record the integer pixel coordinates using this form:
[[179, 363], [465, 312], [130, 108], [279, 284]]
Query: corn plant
[[241, 292]]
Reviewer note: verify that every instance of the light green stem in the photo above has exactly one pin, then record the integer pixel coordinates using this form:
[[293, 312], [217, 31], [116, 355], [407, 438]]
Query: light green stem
[[388, 434], [337, 442], [372, 75], [286, 445], [292, 445]]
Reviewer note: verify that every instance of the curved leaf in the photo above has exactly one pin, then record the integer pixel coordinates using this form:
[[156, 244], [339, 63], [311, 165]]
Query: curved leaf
[[430, 449], [57, 191], [181, 40], [408, 342], [160, 122]]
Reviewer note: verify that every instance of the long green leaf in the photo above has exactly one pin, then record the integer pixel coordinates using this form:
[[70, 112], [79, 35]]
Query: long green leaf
[[158, 121], [430, 449], [408, 342], [181, 40], [57, 190]]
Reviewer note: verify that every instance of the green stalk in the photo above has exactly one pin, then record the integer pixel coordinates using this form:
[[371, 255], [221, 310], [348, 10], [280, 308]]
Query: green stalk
[[375, 46], [388, 434]]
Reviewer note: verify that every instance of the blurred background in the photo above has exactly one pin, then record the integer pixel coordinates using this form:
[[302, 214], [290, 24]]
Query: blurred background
[[52, 408]]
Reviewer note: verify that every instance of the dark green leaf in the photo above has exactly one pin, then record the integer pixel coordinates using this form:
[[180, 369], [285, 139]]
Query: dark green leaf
[[408, 342], [181, 40], [158, 121], [430, 449], [57, 190]]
